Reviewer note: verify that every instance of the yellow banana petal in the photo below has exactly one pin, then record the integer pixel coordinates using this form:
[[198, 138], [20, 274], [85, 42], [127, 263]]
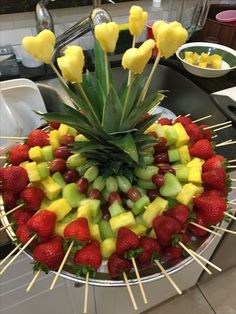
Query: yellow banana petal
[[137, 20], [107, 34]]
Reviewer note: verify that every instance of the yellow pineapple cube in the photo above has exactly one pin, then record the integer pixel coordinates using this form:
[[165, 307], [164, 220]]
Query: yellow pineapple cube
[[182, 136], [54, 138], [195, 58], [203, 57], [189, 60], [35, 154], [184, 154], [150, 213], [187, 193], [216, 64], [108, 246], [195, 162], [63, 129], [51, 188], [157, 128], [202, 64], [60, 227], [138, 229], [85, 211], [32, 171], [188, 54], [60, 207], [195, 174], [122, 220], [95, 232], [72, 131]]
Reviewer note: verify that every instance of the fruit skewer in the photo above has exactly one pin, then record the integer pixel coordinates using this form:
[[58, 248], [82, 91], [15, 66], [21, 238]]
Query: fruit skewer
[[168, 276], [204, 228], [38, 272], [139, 280], [130, 291]]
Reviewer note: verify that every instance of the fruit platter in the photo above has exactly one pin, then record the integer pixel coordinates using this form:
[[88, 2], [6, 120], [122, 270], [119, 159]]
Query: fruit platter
[[107, 193]]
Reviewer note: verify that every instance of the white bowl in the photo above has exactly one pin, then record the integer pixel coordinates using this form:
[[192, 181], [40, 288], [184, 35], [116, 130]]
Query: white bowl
[[228, 55]]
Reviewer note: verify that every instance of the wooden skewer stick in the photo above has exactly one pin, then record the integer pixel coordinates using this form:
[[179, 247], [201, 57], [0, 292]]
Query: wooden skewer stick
[[223, 127], [86, 294], [206, 260], [15, 256], [225, 230], [5, 227], [33, 280], [231, 203], [139, 280], [11, 211], [13, 138], [168, 277], [206, 229], [3, 157], [61, 266], [233, 187], [216, 125], [225, 143], [188, 114], [202, 118], [231, 167], [10, 254], [234, 180], [214, 136], [232, 160], [195, 258], [130, 291], [230, 215]]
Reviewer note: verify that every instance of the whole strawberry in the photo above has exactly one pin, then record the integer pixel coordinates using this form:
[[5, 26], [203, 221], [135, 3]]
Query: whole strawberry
[[21, 216], [117, 264], [43, 223], [194, 132], [49, 255], [211, 208], [127, 242], [180, 213], [78, 229], [38, 138], [165, 227], [150, 250], [23, 233], [183, 120], [89, 258], [201, 149], [215, 179], [165, 121], [200, 221], [14, 179], [32, 197], [213, 193], [18, 154], [9, 199], [216, 161], [175, 250], [207, 133]]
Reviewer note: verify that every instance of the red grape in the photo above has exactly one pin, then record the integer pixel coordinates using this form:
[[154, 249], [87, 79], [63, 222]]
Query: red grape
[[161, 146], [152, 194], [70, 176], [82, 185], [62, 152], [134, 194], [58, 164], [158, 179], [94, 194], [67, 139], [161, 157], [165, 168], [114, 197]]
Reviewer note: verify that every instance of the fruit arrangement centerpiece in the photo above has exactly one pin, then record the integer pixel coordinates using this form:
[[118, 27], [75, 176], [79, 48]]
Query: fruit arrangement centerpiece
[[108, 188]]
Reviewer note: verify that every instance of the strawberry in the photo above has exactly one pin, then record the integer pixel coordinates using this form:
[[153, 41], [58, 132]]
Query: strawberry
[[127, 243], [43, 223], [78, 229], [23, 233], [164, 121], [88, 258], [21, 216], [183, 120], [200, 221], [213, 193], [150, 250], [215, 179], [14, 179], [211, 208], [38, 138], [18, 154], [180, 213], [175, 250], [194, 132], [117, 265], [207, 133], [32, 197], [49, 255], [202, 149], [214, 162], [165, 227], [9, 199]]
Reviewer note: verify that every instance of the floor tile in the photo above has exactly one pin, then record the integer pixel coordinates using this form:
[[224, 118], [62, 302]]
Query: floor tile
[[220, 292], [191, 301]]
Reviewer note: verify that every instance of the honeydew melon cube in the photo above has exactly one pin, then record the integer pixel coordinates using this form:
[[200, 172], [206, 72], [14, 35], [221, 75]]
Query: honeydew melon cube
[[182, 136], [47, 152], [72, 131], [182, 173], [173, 154], [184, 154], [122, 220], [51, 188], [105, 229], [150, 213], [95, 232], [108, 246], [63, 129], [139, 229], [195, 174], [43, 170], [189, 190], [72, 195], [32, 171], [58, 178], [84, 211], [163, 203], [60, 207], [35, 154], [170, 134], [157, 128], [54, 139]]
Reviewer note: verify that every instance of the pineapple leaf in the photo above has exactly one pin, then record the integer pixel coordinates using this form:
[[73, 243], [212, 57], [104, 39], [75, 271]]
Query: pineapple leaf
[[127, 144], [142, 126]]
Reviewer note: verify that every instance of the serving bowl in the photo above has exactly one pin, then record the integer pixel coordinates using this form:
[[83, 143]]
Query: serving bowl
[[228, 56]]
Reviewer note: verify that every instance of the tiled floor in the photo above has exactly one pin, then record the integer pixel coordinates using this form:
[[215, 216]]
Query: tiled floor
[[217, 295]]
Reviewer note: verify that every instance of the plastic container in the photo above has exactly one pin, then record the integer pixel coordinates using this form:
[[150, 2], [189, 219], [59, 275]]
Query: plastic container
[[227, 16]]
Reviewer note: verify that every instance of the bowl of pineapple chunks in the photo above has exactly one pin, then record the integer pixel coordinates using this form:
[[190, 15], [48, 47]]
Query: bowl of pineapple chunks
[[207, 59]]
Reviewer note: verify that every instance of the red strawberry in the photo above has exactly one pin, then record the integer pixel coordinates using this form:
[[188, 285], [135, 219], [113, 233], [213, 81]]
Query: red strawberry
[[126, 241], [150, 250], [9, 199], [179, 213], [216, 161], [43, 223], [23, 233], [213, 193], [202, 149], [14, 179], [21, 216], [38, 138], [49, 254], [32, 197], [54, 125], [165, 227], [89, 256], [183, 120], [117, 265], [175, 250], [78, 229], [211, 208], [207, 133], [215, 179], [18, 154], [194, 132], [164, 121], [200, 221]]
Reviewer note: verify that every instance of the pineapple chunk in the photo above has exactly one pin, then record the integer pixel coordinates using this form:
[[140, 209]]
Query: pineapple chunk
[[195, 162], [60, 207], [51, 188], [85, 211], [157, 128], [203, 58], [188, 54], [216, 64], [187, 193], [59, 228], [32, 171], [54, 139], [195, 57], [195, 174], [184, 154], [150, 213], [63, 129], [95, 232], [202, 64], [108, 246], [138, 229], [35, 154], [122, 220], [182, 136]]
